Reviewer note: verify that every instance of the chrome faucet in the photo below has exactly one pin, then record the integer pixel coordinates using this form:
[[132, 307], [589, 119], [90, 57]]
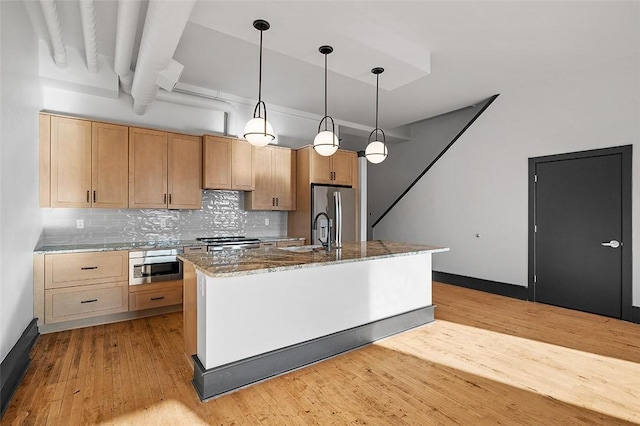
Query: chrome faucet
[[326, 244]]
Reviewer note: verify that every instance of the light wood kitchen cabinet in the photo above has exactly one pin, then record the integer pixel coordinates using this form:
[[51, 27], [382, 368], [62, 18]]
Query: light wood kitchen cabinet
[[73, 286], [86, 163], [109, 166], [275, 180], [70, 162], [228, 163], [78, 269], [154, 295], [185, 173], [190, 308], [73, 303], [334, 170], [163, 170], [148, 172]]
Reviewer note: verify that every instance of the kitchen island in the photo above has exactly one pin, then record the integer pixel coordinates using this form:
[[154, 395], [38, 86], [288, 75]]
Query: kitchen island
[[261, 313]]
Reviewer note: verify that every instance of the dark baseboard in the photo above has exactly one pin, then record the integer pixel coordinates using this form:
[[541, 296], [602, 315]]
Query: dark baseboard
[[495, 287], [635, 314], [15, 364], [220, 380]]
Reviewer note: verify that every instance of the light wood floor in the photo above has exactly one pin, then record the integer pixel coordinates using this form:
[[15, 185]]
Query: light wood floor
[[485, 360]]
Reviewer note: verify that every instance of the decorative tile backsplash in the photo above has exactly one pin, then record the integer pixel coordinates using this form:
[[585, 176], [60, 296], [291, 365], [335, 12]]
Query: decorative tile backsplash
[[222, 214]]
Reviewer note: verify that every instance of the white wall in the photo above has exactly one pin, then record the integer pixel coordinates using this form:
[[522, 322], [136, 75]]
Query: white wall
[[480, 185], [20, 222], [292, 130]]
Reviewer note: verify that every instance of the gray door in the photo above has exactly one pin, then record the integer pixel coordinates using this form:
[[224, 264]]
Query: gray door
[[578, 233]]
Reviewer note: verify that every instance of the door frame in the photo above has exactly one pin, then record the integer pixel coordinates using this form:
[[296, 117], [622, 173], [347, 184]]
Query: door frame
[[626, 153]]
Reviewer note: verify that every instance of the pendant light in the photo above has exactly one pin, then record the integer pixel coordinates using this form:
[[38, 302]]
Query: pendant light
[[376, 151], [258, 130], [326, 142]]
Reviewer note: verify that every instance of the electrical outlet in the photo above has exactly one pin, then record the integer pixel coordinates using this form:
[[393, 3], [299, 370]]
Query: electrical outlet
[[266, 221], [79, 224], [163, 223]]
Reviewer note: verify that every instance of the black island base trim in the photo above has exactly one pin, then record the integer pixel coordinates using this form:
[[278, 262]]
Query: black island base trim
[[230, 377]]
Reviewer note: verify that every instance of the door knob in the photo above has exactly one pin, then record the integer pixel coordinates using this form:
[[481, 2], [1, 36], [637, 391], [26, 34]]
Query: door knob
[[612, 244]]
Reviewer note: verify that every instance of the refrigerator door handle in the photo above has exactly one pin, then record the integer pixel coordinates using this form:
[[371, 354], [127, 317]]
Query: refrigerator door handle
[[338, 215]]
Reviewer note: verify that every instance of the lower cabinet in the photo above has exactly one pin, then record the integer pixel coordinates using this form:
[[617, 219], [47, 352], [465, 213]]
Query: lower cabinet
[[147, 296], [72, 303], [79, 289]]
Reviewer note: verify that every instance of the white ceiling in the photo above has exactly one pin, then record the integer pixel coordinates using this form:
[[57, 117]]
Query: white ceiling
[[438, 55]]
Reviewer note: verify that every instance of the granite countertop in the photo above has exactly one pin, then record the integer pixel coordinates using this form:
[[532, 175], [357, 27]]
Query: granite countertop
[[133, 245], [234, 263]]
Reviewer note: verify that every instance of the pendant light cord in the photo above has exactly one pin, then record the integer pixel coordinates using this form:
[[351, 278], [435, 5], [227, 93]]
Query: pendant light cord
[[325, 89], [260, 72], [377, 80]]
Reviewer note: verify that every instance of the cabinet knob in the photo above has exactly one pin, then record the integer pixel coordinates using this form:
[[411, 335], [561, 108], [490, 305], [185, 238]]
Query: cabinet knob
[[88, 200], [165, 199], [169, 198], [94, 196]]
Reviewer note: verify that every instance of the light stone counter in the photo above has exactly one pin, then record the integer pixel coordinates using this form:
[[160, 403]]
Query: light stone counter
[[233, 263], [133, 245]]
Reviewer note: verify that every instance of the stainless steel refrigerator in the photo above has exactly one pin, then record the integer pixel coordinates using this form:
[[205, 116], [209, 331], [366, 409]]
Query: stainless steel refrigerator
[[339, 203]]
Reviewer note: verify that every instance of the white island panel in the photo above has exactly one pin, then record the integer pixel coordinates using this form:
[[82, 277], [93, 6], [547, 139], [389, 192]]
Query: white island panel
[[248, 315]]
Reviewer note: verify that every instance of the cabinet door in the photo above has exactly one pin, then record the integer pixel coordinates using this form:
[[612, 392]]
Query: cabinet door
[[147, 168], [320, 168], [70, 162], [185, 172], [217, 163], [109, 165], [342, 165], [263, 197], [284, 178], [242, 165]]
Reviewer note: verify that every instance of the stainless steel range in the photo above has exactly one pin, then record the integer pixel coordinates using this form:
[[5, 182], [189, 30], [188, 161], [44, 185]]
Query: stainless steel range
[[229, 243]]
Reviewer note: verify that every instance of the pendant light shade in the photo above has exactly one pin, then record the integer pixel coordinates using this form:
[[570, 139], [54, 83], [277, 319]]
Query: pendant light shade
[[258, 131], [376, 151], [326, 142]]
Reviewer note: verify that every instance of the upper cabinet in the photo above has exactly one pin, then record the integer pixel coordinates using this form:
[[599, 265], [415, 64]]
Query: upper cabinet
[[185, 173], [228, 163], [337, 169], [82, 163], [161, 170], [275, 180], [147, 169], [109, 165]]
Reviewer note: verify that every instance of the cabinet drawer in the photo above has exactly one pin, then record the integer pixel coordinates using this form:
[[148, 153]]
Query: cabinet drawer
[[77, 269], [155, 298], [67, 304]]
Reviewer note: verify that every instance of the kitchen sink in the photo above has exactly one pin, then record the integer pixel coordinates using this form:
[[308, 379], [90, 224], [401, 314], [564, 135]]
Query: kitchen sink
[[303, 249]]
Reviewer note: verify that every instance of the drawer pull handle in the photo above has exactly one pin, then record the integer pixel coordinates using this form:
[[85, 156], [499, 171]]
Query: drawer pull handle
[[157, 298], [89, 301], [86, 268]]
